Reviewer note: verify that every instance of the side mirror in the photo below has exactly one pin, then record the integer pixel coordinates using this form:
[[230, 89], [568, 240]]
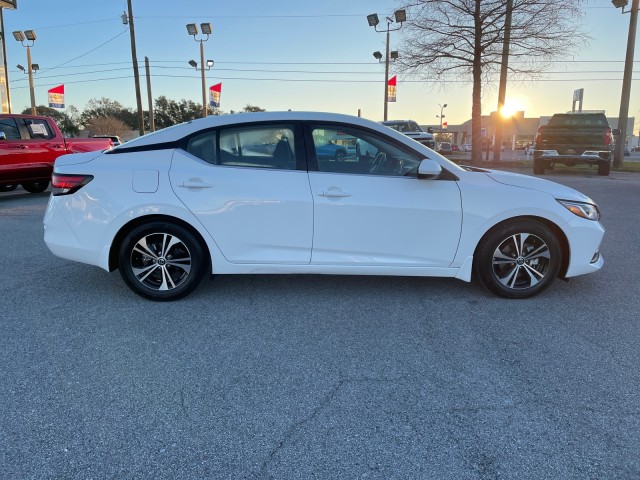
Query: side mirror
[[616, 131], [429, 169], [3, 136]]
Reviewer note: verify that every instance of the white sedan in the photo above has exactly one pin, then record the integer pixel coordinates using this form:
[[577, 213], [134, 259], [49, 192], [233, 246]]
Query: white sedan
[[247, 193]]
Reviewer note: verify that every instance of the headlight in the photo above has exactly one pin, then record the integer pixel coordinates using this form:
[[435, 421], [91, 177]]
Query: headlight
[[584, 210]]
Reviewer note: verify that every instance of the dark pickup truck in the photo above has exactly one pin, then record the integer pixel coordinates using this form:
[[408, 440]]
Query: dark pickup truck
[[574, 138], [29, 145]]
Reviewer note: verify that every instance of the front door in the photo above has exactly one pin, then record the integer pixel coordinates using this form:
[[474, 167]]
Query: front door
[[372, 209]]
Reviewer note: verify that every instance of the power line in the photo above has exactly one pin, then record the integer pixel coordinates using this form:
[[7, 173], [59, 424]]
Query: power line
[[86, 53], [311, 80]]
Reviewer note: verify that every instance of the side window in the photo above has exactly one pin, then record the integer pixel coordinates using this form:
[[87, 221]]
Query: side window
[[260, 146], [10, 129], [204, 146], [38, 129], [347, 150]]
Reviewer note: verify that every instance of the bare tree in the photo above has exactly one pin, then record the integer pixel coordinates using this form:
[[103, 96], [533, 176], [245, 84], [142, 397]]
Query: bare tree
[[107, 126], [463, 39]]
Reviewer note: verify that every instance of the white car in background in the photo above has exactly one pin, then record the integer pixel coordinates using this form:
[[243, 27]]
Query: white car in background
[[235, 194], [466, 147]]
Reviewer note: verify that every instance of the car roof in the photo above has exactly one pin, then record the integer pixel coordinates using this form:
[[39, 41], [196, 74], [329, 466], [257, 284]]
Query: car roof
[[177, 132]]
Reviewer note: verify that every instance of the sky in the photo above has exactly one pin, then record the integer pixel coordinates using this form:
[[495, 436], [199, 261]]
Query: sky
[[283, 54]]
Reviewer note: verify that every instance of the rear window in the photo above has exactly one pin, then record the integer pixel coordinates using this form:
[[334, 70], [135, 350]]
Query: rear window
[[579, 121]]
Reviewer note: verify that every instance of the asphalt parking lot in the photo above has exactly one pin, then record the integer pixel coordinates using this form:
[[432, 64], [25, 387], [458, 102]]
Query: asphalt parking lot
[[319, 376]]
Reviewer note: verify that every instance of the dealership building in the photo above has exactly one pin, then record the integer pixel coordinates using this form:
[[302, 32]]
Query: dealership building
[[517, 132]]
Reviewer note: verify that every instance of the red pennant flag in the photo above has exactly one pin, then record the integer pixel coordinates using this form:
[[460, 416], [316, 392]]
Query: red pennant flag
[[391, 89], [56, 97]]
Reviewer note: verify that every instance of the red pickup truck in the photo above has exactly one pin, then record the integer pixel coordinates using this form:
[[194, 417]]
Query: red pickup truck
[[29, 146]]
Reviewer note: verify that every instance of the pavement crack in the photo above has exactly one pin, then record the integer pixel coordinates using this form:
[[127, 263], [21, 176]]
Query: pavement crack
[[326, 400]]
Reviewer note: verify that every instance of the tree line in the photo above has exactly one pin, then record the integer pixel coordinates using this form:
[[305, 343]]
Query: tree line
[[105, 116]]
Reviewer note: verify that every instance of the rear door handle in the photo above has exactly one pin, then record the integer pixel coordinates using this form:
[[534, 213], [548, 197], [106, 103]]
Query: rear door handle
[[195, 184]]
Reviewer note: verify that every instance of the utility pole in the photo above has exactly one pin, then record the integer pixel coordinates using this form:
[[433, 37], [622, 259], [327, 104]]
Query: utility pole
[[152, 123], [618, 158], [502, 89], [136, 74]]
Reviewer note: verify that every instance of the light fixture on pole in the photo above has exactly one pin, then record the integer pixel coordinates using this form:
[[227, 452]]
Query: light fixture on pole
[[618, 158], [205, 28], [28, 39], [400, 16]]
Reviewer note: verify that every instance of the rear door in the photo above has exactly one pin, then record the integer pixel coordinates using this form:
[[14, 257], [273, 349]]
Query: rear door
[[249, 187]]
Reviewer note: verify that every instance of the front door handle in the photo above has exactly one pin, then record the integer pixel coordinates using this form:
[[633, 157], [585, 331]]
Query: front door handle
[[335, 194]]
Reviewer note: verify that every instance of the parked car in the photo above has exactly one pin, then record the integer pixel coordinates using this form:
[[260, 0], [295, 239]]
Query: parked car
[[455, 148], [171, 206], [331, 150], [411, 129], [445, 148], [114, 138], [466, 147], [569, 135], [29, 144]]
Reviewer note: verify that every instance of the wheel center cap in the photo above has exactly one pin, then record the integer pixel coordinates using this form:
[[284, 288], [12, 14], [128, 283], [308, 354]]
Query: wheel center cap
[[520, 261], [162, 261]]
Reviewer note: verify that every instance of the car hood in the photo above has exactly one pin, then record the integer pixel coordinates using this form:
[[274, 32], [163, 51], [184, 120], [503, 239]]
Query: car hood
[[525, 181], [76, 158]]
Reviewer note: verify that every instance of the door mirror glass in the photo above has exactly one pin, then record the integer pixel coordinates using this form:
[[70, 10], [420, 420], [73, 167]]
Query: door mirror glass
[[3, 136], [429, 169]]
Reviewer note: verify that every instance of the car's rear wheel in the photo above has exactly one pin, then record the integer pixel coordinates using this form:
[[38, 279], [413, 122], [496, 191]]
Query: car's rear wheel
[[161, 261], [539, 166], [518, 259], [35, 187]]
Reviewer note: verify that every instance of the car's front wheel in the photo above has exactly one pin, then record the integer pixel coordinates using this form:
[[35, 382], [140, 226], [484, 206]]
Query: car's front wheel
[[161, 261], [518, 259]]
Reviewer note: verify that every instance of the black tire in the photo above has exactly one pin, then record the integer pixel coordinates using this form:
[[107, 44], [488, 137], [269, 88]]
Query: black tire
[[156, 274], [518, 259], [8, 188], [604, 167], [539, 166], [35, 187]]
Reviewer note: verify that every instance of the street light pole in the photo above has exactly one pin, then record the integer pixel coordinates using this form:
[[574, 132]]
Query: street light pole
[[386, 77], [441, 116], [192, 29], [32, 93], [626, 81], [204, 80], [400, 17], [30, 37]]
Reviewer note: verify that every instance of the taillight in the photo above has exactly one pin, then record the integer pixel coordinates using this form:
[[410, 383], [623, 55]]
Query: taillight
[[539, 137], [607, 137], [62, 184]]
